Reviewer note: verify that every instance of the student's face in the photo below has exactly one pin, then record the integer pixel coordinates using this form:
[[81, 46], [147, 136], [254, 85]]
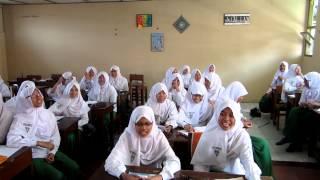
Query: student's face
[[185, 71], [298, 70], [226, 119], [113, 73], [161, 97], [102, 80], [63, 82], [239, 100], [282, 67], [211, 68], [306, 83], [91, 73], [197, 98], [36, 98], [197, 77], [175, 70], [143, 127], [175, 83], [74, 92], [207, 83]]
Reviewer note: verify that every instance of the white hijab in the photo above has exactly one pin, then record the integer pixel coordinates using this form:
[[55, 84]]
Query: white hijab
[[186, 77], [156, 88], [88, 69], [97, 88], [215, 143], [68, 77], [193, 74], [169, 72], [199, 109], [292, 71], [118, 82], [215, 82], [313, 92], [207, 69], [146, 148], [172, 78], [234, 90], [73, 107]]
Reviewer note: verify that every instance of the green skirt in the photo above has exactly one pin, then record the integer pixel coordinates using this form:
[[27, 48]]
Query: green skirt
[[262, 155]]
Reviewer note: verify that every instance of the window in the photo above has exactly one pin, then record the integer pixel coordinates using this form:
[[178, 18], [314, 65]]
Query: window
[[309, 34]]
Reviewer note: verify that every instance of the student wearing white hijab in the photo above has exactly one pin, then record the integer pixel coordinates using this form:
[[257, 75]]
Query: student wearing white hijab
[[196, 76], [169, 72], [210, 69], [195, 110], [57, 90], [37, 128], [294, 81], [103, 91], [225, 145], [117, 80], [186, 75], [214, 86], [11, 104], [236, 91], [164, 109], [6, 118], [298, 116], [177, 93], [4, 89], [142, 143], [87, 80], [71, 104]]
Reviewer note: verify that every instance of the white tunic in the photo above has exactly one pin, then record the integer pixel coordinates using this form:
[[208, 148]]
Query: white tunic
[[153, 150], [120, 83], [6, 118], [60, 88], [311, 94], [186, 77], [87, 84], [177, 95], [4, 89]]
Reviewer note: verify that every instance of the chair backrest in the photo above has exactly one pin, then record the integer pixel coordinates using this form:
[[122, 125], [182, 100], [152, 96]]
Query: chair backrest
[[136, 79], [55, 77], [34, 77]]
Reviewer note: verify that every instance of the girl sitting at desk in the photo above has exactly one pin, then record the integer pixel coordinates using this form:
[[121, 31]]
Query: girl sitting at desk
[[294, 81], [119, 82], [36, 127], [177, 93], [195, 110], [225, 145], [164, 109], [87, 80], [142, 143]]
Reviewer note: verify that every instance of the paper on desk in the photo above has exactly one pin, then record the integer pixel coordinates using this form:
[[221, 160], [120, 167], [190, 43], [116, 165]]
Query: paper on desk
[[291, 96], [237, 178], [91, 102], [183, 132], [7, 151], [199, 129], [59, 117], [142, 175]]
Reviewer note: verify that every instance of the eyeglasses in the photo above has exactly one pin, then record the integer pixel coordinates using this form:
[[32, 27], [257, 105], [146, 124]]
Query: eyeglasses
[[143, 124]]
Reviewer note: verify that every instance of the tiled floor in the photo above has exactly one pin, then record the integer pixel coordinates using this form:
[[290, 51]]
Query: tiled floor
[[263, 127]]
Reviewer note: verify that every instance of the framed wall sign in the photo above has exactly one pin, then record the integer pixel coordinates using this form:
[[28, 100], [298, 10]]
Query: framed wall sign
[[144, 20], [157, 44], [236, 19]]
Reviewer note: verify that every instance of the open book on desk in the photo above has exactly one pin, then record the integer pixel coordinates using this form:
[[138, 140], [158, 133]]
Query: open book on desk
[[196, 129]]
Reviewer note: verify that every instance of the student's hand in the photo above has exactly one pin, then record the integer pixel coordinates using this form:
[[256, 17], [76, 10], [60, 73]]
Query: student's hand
[[157, 177], [188, 128], [49, 145], [167, 129], [126, 176], [50, 158]]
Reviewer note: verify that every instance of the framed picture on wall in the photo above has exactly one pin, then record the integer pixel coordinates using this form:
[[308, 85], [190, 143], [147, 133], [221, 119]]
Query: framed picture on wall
[[157, 42], [144, 20]]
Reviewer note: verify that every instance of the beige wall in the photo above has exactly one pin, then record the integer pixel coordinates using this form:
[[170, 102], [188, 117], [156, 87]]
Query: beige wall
[[3, 57], [45, 39]]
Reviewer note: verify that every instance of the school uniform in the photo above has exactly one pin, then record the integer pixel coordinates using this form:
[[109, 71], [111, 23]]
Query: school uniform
[[193, 74], [177, 95], [35, 124], [186, 77], [216, 88], [168, 74], [153, 150], [87, 84], [166, 112], [292, 82], [6, 118], [120, 83], [226, 150], [4, 89], [58, 92]]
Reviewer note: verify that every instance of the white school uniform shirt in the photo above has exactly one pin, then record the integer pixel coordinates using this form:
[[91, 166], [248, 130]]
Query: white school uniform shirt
[[215, 88], [6, 118], [179, 96], [192, 113], [72, 107], [292, 82], [120, 83], [87, 84], [4, 89], [275, 81], [153, 150], [59, 90], [11, 104], [32, 125], [186, 77], [104, 93], [311, 94], [166, 112], [230, 150]]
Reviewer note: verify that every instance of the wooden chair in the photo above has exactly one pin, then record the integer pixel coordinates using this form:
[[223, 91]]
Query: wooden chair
[[278, 106], [33, 77], [55, 77], [137, 90]]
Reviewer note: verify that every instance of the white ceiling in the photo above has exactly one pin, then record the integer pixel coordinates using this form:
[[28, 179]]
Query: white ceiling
[[25, 2]]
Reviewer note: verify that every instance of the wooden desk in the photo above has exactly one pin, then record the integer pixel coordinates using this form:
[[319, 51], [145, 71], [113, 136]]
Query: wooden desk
[[188, 174], [102, 174], [181, 145], [66, 126], [16, 163]]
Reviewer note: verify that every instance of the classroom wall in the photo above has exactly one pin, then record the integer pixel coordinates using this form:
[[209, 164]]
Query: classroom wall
[[3, 57], [45, 39]]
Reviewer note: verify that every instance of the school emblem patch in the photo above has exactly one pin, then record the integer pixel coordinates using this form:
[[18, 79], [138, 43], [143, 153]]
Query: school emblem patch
[[216, 150], [132, 156]]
